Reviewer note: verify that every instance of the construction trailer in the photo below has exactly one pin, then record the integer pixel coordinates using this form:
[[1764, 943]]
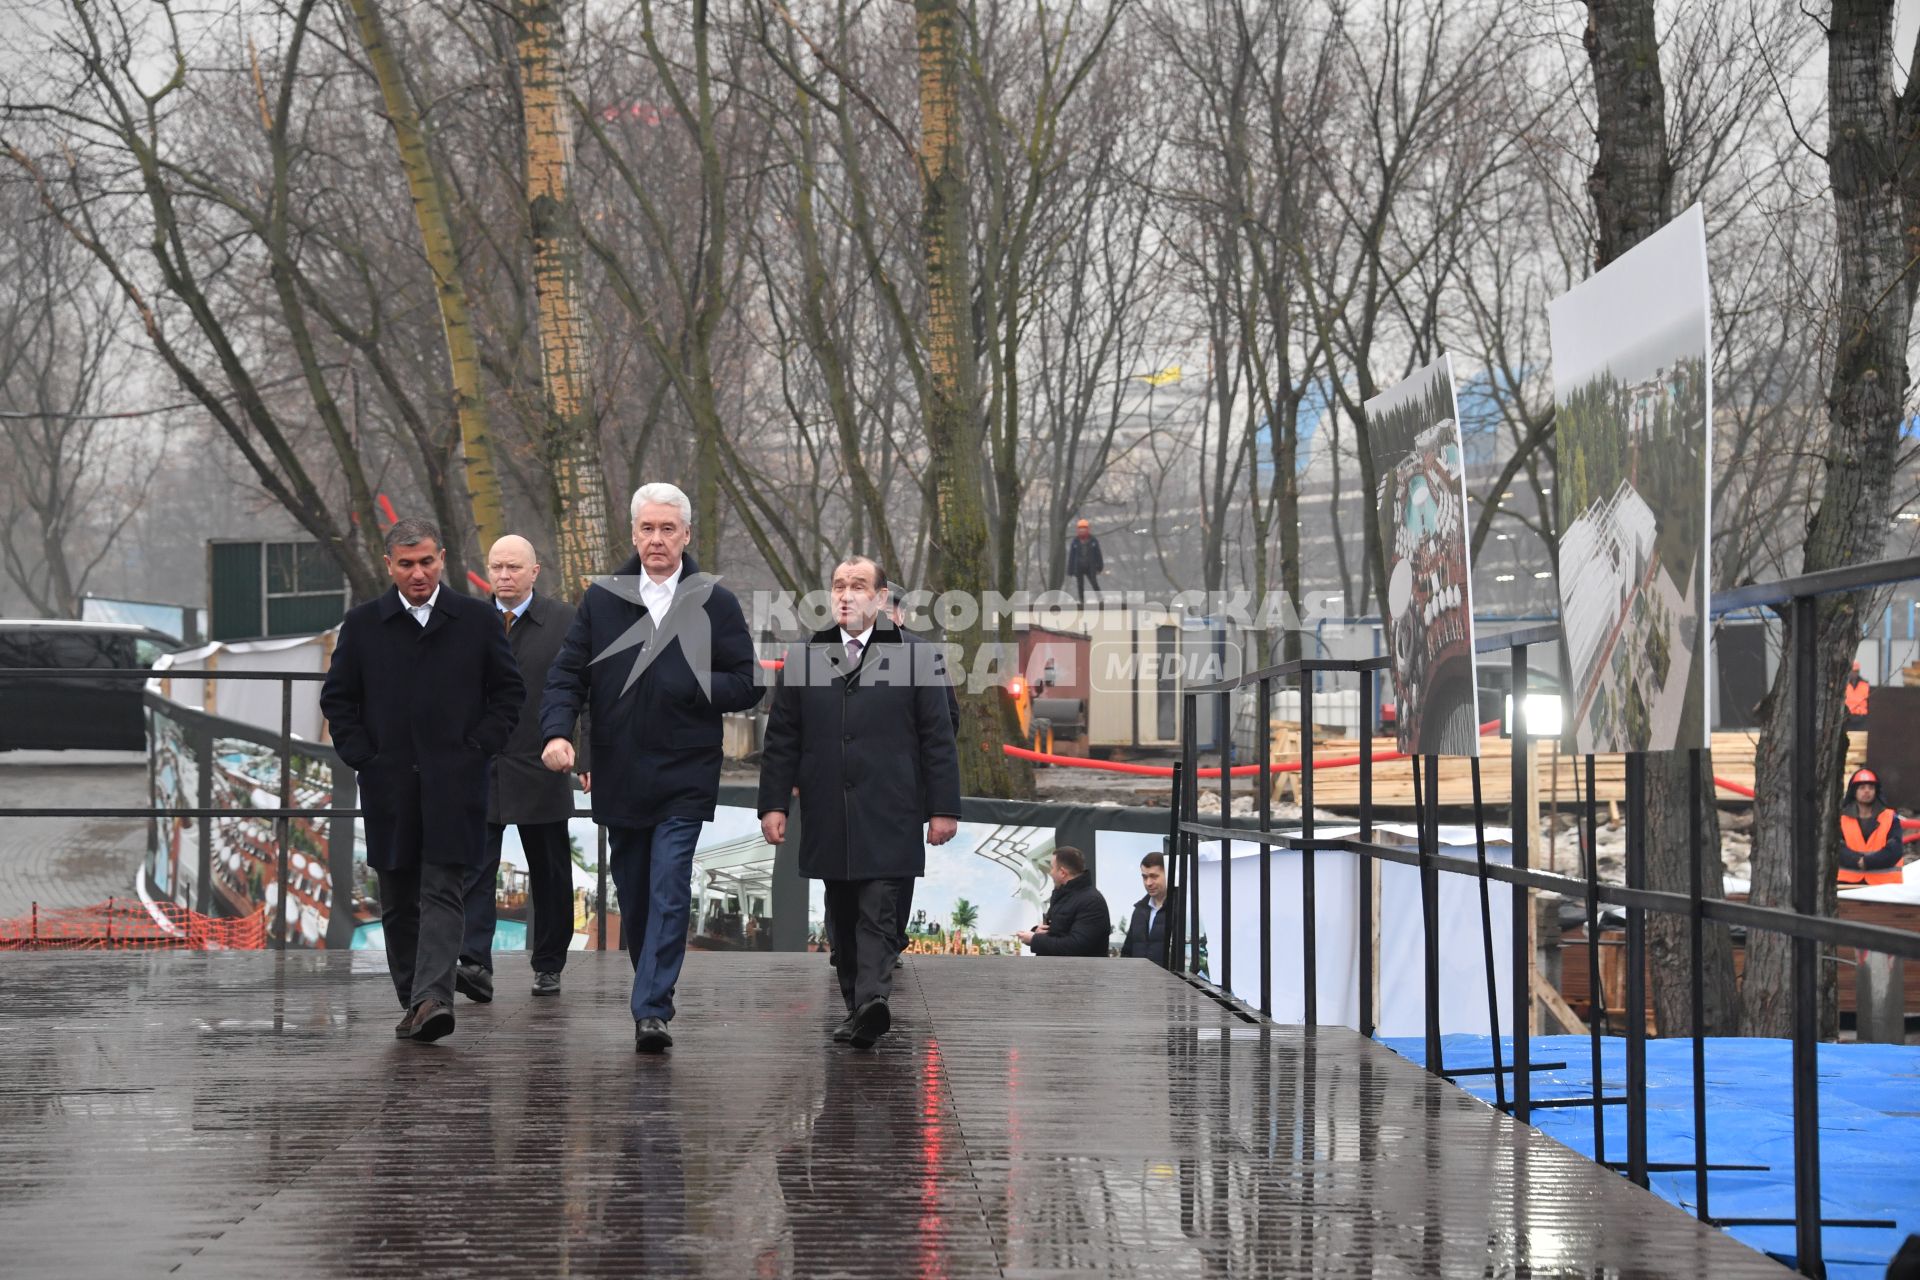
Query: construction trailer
[[1127, 668]]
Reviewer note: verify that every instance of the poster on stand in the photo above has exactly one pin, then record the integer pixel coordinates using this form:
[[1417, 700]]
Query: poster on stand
[[1421, 507], [1632, 362]]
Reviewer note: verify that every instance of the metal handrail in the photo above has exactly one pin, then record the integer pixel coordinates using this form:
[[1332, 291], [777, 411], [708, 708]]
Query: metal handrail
[[1801, 923]]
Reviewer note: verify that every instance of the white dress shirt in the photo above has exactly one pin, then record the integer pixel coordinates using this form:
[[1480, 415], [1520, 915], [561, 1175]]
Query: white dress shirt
[[658, 596], [421, 612]]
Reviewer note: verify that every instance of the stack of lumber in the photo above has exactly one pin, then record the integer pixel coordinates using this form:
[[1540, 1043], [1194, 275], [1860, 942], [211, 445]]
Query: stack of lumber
[[1557, 776]]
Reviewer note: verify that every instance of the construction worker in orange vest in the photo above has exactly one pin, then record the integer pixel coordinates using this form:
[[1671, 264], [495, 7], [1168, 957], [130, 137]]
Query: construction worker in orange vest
[[1857, 691], [1870, 830]]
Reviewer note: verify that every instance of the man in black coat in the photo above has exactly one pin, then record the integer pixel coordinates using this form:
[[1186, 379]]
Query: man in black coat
[[860, 724], [421, 695], [525, 793], [1077, 921], [1084, 561], [657, 653], [1152, 922]]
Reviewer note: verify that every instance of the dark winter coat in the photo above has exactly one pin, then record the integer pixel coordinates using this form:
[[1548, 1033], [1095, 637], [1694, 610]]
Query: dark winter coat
[[656, 745], [419, 712], [871, 751], [1078, 921], [1084, 557], [1149, 944], [524, 789]]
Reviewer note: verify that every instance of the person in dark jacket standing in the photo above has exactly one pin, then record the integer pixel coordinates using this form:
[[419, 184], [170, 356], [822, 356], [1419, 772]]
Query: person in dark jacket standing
[[657, 654], [421, 695], [525, 793], [1084, 561], [860, 724], [1152, 921], [1077, 921]]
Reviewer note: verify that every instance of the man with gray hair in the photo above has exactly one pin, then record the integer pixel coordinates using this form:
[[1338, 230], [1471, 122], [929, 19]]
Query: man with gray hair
[[422, 693], [657, 653]]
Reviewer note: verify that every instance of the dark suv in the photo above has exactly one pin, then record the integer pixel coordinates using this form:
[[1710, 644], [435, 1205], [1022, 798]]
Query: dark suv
[[62, 713]]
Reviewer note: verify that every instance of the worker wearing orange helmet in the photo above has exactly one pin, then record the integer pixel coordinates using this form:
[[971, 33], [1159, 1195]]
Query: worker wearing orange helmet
[[1870, 832], [1856, 698]]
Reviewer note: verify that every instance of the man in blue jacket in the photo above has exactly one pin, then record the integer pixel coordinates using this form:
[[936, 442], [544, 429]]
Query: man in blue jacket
[[658, 652]]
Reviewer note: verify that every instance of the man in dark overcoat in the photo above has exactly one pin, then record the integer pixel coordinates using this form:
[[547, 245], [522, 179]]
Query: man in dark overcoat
[[421, 695], [525, 793], [860, 724], [657, 654], [1077, 922]]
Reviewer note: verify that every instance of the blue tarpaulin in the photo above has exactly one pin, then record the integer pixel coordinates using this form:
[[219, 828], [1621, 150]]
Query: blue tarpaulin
[[1869, 1129]]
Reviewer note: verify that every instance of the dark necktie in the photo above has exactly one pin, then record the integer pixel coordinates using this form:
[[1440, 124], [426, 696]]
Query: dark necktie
[[507, 615]]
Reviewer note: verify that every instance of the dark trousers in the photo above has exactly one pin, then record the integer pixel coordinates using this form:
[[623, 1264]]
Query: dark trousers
[[549, 889], [1080, 581], [861, 924], [423, 914], [652, 870], [902, 911]]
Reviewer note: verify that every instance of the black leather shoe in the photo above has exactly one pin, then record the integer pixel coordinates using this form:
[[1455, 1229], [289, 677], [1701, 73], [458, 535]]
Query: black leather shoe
[[432, 1021], [650, 1036], [546, 984], [844, 1031], [473, 982], [870, 1022]]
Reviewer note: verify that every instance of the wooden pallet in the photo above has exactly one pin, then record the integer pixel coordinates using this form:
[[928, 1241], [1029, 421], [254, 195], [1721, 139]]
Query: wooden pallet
[[1558, 777]]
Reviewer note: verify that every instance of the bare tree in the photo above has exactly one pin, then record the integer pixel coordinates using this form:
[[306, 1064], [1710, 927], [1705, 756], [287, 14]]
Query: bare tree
[[77, 471], [1874, 171]]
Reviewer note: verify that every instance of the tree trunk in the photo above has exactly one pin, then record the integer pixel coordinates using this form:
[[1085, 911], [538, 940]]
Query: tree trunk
[[573, 443], [1632, 189], [1871, 137], [954, 430], [443, 260], [1632, 180]]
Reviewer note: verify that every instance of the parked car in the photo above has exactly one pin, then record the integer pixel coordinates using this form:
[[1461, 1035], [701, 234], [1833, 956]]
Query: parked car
[[67, 713]]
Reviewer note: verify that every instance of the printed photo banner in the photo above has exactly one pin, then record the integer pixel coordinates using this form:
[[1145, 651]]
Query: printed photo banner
[[1632, 366], [1421, 507]]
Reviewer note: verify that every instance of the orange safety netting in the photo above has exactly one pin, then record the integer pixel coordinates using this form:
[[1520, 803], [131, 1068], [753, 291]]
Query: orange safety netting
[[128, 924]]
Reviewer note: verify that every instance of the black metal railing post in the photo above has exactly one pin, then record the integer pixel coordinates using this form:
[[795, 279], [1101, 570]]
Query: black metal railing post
[[1806, 951], [1366, 861], [1596, 994], [1263, 729], [1190, 806], [1430, 908], [1696, 928], [1636, 768], [1309, 934], [1224, 731], [1486, 936], [1176, 871], [1520, 951], [282, 824]]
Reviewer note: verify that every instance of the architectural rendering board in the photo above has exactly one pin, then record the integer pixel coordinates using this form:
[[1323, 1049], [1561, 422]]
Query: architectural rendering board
[[1632, 361], [1421, 505]]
